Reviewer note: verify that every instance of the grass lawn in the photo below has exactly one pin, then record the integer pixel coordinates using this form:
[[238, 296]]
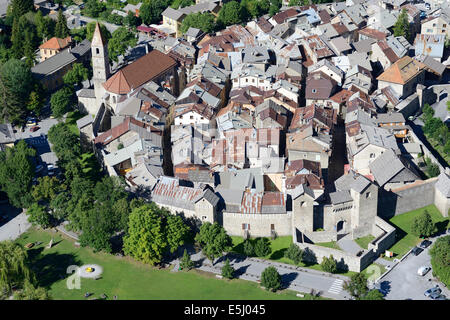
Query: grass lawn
[[331, 244], [439, 148], [129, 279], [403, 222], [279, 246], [363, 242], [71, 120]]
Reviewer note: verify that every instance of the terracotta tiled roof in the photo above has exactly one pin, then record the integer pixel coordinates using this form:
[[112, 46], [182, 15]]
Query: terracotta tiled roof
[[388, 52], [284, 15], [342, 96], [115, 132], [402, 71], [143, 70], [373, 33], [56, 43]]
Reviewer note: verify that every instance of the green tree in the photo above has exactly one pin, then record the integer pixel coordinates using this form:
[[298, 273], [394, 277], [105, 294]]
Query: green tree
[[264, 6], [176, 232], [150, 11], [440, 259], [423, 225], [93, 8], [28, 51], [42, 26], [230, 13], [373, 295], [275, 6], [38, 215], [202, 21], [271, 279], [294, 253], [47, 188], [249, 250], [35, 103], [401, 27], [16, 84], [120, 41], [61, 28], [357, 286], [16, 173], [30, 292], [61, 101], [186, 262], [213, 239], [262, 247], [14, 270], [66, 145], [131, 20], [227, 270], [329, 264], [20, 7], [145, 240], [76, 75]]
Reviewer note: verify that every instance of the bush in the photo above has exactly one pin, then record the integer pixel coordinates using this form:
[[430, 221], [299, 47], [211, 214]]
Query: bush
[[227, 270], [186, 262], [249, 250], [262, 247], [423, 225], [440, 259], [271, 279], [294, 253], [329, 264]]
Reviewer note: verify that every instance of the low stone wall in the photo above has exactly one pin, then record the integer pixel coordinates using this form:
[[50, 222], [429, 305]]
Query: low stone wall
[[352, 262], [361, 231], [320, 236], [384, 236], [260, 224]]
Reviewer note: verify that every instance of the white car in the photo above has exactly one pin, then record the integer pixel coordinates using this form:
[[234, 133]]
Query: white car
[[423, 270]]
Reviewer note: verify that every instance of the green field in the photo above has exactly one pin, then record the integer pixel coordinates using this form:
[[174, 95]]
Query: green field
[[403, 222], [363, 242], [129, 279]]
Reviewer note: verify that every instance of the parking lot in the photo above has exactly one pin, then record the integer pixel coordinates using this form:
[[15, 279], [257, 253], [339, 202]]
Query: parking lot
[[38, 140], [403, 282]]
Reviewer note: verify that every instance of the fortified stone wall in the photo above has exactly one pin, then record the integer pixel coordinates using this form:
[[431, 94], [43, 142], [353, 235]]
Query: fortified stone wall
[[260, 224], [407, 198]]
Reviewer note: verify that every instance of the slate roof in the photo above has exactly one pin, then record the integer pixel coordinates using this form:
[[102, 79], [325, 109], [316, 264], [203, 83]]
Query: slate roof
[[172, 13], [87, 119], [385, 167], [352, 180], [339, 197]]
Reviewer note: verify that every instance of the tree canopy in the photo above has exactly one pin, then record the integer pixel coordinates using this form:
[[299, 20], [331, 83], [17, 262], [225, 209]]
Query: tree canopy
[[271, 279], [423, 225], [440, 259], [231, 13], [213, 239], [202, 21], [76, 75], [120, 41], [150, 11], [61, 101], [401, 27], [16, 173]]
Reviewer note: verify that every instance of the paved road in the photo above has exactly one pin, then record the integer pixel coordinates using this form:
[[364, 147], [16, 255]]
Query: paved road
[[349, 245], [14, 228], [294, 278], [111, 27], [403, 282]]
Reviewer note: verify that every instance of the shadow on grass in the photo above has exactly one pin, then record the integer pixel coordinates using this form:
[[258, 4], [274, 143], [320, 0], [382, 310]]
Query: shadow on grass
[[52, 267], [441, 226], [278, 254]]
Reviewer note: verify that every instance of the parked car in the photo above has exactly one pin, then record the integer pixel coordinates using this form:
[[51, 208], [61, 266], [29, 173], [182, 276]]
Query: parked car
[[39, 168], [31, 122], [432, 290], [437, 296], [50, 169], [35, 128], [423, 270], [416, 251], [425, 244]]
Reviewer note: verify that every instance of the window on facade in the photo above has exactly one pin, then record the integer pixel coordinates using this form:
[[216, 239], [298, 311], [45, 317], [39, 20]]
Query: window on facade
[[235, 80], [97, 51], [201, 118], [204, 217], [314, 90], [245, 226], [372, 155], [367, 195]]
